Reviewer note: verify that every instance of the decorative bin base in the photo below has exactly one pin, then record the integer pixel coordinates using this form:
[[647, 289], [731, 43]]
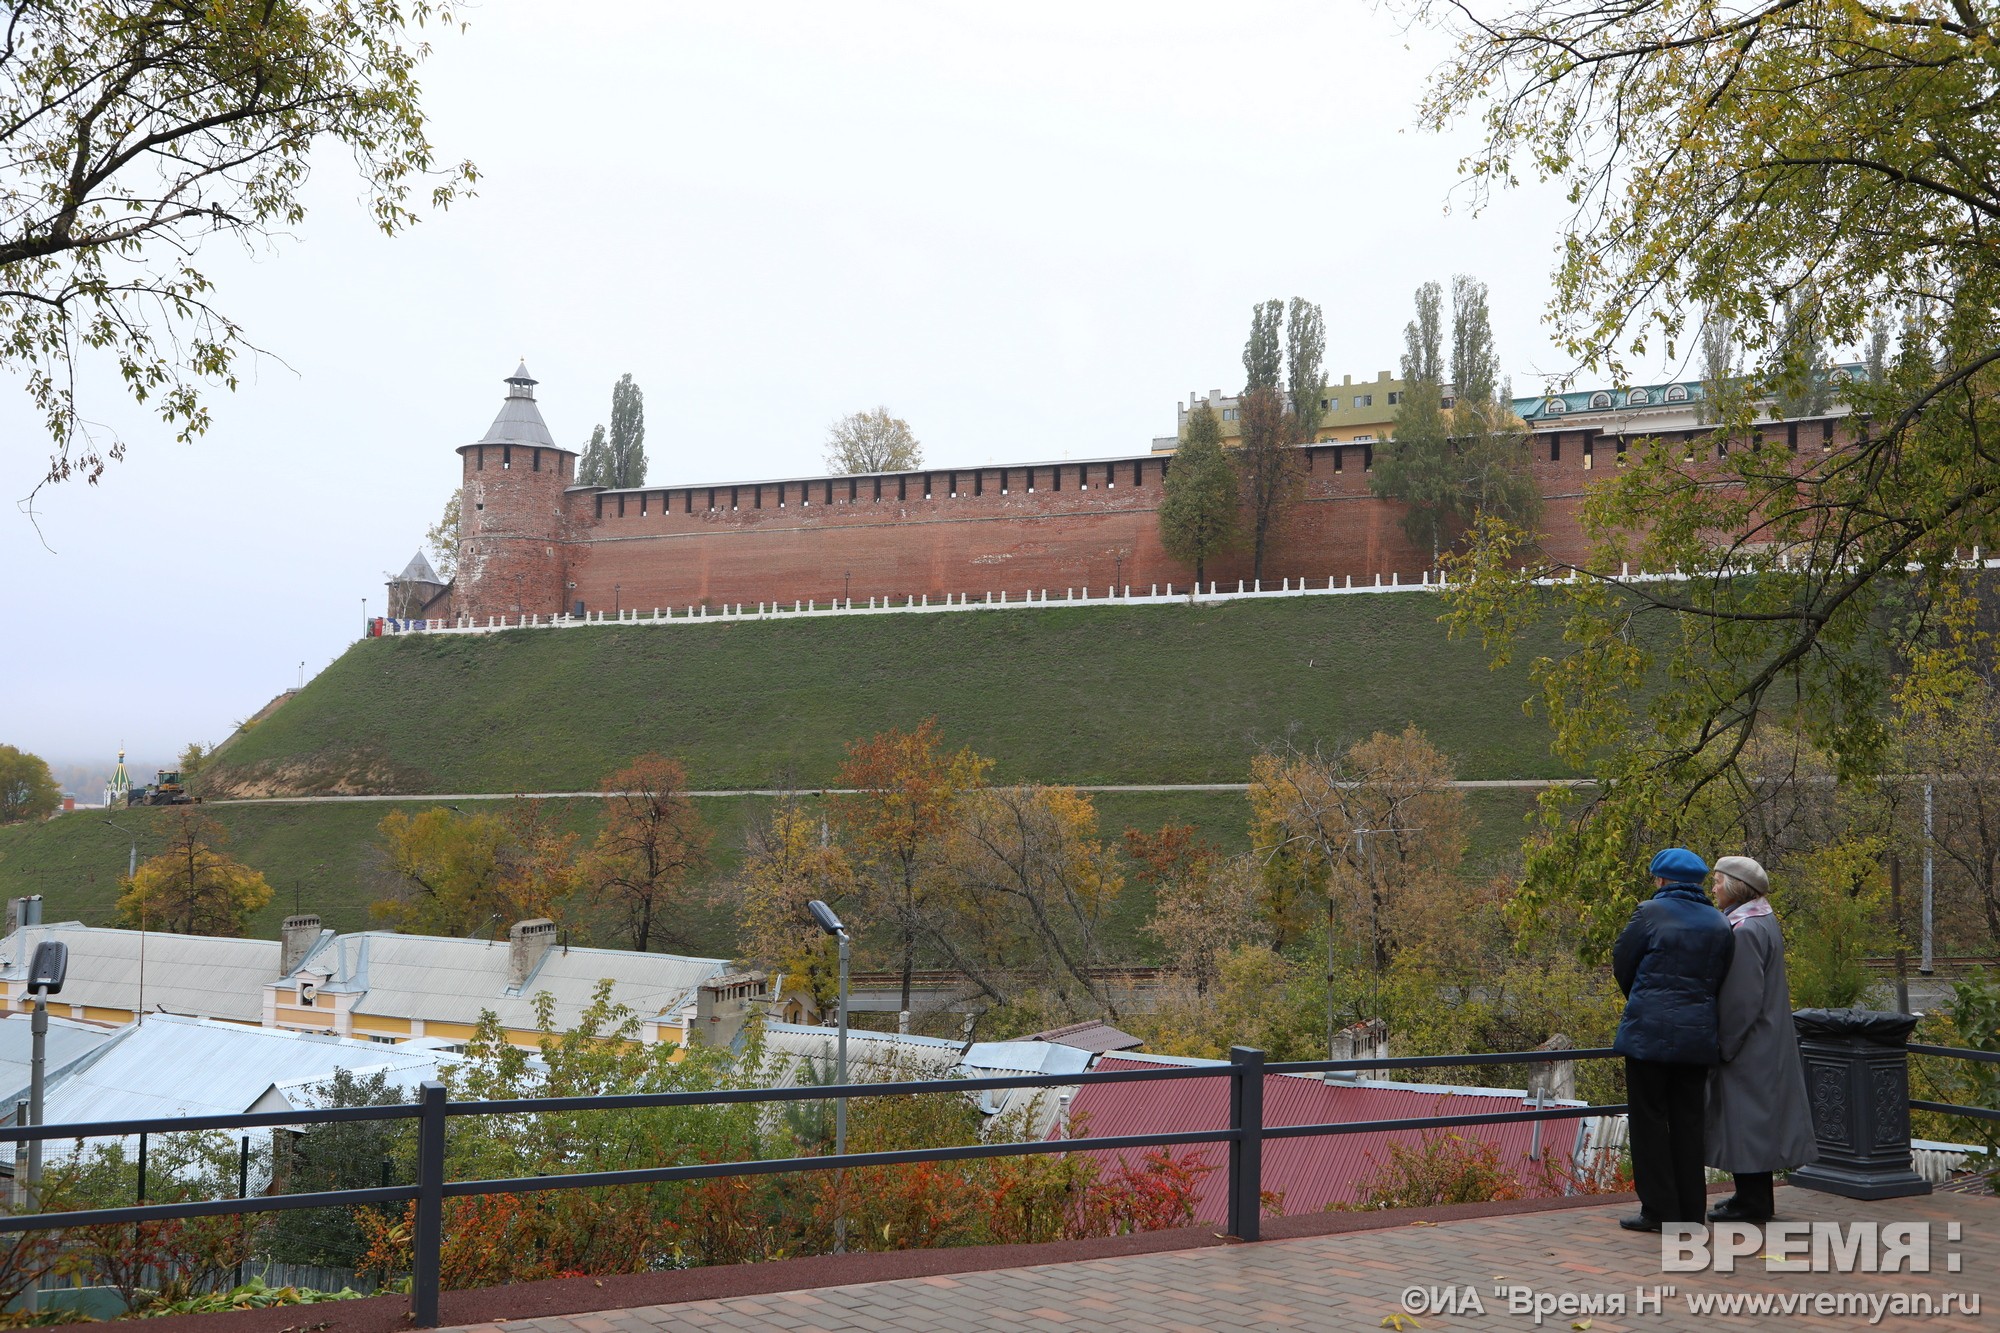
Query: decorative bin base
[[1858, 1084]]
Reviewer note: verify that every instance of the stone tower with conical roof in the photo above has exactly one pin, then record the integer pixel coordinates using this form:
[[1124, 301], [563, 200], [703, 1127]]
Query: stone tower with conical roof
[[512, 520]]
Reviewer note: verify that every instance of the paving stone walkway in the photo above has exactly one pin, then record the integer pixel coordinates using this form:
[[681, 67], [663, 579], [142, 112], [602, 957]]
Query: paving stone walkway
[[1358, 1280]]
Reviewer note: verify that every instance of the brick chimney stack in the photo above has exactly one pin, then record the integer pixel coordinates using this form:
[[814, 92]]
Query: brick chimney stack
[[527, 942], [299, 934]]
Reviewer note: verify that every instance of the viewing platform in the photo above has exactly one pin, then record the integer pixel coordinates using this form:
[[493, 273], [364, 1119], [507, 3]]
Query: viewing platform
[[1332, 1271], [1357, 1279]]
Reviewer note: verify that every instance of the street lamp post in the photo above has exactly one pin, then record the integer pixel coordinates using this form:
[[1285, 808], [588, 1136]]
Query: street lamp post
[[45, 978], [828, 922]]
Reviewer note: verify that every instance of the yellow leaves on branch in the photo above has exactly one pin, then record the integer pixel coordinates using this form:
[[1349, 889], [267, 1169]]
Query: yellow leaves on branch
[[193, 887]]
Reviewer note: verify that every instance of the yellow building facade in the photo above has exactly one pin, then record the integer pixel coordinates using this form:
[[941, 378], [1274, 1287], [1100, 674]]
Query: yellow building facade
[[1351, 412]]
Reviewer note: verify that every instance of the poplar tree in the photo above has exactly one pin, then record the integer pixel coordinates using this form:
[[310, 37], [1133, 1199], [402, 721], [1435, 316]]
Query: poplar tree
[[1451, 466], [1263, 353], [1475, 369], [1268, 460], [1419, 466], [617, 457], [1305, 370], [1198, 514], [628, 434]]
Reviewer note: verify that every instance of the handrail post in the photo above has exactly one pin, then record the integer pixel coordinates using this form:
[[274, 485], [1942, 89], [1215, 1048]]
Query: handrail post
[[1246, 1150], [428, 1241]]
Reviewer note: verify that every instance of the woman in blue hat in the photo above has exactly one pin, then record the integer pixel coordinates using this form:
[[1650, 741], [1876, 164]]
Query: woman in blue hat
[[1670, 961]]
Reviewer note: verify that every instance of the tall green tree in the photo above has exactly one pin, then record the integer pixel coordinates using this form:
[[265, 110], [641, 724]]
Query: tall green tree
[[628, 433], [1305, 369], [1199, 511], [1449, 466], [27, 788], [1264, 350], [132, 132], [1420, 465], [1268, 414], [1475, 366], [617, 457], [1722, 153]]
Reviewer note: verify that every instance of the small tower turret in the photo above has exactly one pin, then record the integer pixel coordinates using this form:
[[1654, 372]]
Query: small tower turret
[[511, 512]]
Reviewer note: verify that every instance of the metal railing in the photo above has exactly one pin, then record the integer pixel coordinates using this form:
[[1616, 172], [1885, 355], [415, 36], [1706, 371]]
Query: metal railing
[[1244, 1135], [1955, 1053]]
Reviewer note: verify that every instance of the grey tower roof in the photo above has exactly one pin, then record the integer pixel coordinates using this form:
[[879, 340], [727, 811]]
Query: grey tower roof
[[419, 571], [520, 421]]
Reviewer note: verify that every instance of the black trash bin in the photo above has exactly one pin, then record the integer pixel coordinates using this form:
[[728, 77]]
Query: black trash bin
[[1858, 1084]]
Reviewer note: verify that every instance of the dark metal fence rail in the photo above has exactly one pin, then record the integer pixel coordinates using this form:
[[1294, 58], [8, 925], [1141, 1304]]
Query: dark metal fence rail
[[1956, 1053], [1245, 1136]]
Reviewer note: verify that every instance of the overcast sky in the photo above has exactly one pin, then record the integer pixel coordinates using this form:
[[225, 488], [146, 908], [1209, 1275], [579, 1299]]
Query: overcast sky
[[1028, 229]]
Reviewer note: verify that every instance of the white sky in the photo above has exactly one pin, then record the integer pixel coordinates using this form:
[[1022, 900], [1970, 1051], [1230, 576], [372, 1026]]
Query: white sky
[[1029, 229]]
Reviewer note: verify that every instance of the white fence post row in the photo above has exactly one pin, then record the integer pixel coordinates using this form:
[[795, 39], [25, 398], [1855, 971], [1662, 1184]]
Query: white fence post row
[[1111, 595]]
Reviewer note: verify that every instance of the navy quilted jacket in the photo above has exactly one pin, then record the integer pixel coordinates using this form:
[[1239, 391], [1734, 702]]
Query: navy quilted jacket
[[1670, 961]]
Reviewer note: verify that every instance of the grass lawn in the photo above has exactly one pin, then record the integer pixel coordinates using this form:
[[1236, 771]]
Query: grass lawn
[[1110, 695]]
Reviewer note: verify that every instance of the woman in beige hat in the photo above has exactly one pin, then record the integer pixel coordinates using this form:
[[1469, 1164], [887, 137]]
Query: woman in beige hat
[[1758, 1118]]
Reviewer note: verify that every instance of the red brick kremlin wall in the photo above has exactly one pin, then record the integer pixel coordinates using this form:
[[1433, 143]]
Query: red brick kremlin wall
[[1017, 529]]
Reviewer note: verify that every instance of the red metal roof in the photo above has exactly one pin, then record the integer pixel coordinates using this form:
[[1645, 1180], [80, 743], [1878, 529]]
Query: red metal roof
[[1314, 1172]]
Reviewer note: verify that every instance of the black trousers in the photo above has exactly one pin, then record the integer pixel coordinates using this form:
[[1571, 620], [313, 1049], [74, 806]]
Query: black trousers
[[1668, 1102]]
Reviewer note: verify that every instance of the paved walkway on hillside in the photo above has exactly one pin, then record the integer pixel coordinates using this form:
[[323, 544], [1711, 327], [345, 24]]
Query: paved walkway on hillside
[[1358, 1280], [1467, 784]]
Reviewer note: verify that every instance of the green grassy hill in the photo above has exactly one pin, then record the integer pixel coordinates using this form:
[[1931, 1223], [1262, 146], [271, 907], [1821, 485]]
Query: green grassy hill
[[1141, 694], [1127, 695]]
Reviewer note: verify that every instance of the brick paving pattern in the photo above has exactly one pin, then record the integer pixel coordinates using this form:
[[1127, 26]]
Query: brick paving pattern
[[1356, 1280]]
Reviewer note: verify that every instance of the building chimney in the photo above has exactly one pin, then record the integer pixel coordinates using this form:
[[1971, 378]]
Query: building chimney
[[22, 912], [1368, 1039], [297, 936], [1555, 1081], [527, 941]]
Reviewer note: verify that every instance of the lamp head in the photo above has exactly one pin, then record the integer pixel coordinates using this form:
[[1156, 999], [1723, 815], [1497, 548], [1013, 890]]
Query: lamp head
[[51, 963], [823, 915]]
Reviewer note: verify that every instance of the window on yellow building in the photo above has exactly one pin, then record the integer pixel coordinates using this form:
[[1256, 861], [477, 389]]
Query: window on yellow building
[[1364, 400]]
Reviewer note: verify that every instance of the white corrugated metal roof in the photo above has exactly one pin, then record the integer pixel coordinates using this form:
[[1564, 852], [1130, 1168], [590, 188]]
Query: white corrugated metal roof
[[203, 975], [1026, 1057], [872, 1057], [67, 1041], [447, 980], [172, 1066]]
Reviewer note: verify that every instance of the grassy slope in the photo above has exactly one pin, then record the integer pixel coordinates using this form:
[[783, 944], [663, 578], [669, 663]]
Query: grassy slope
[[1132, 695], [1154, 694]]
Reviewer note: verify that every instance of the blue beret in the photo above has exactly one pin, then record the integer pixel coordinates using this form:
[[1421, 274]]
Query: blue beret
[[1678, 865]]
